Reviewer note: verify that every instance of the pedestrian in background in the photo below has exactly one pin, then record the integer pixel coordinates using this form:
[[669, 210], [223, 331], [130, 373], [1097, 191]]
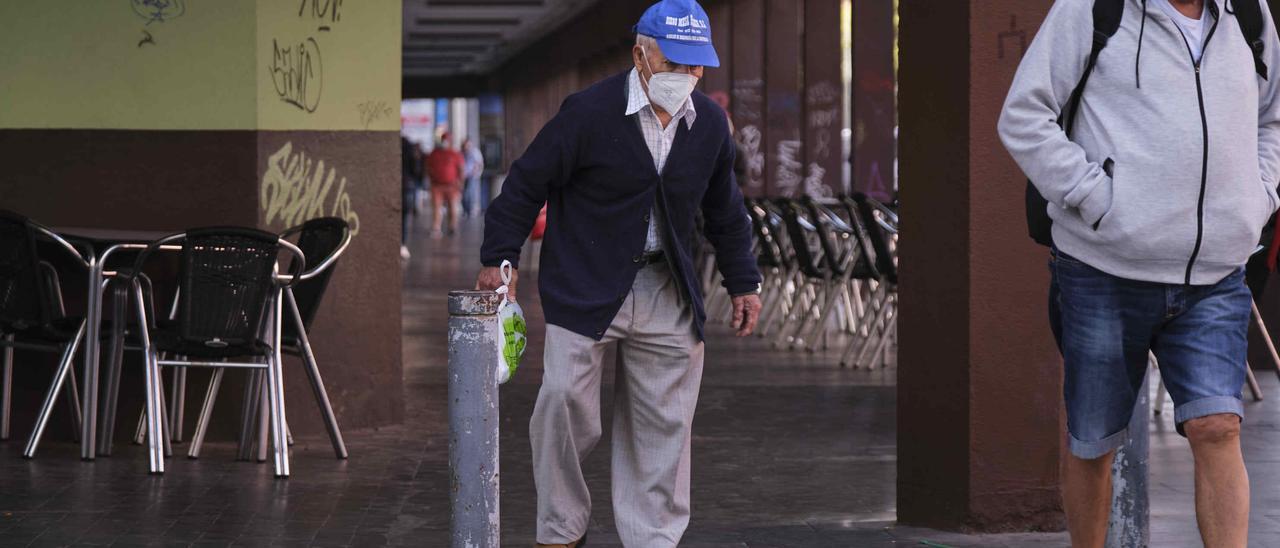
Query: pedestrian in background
[[474, 169], [445, 167]]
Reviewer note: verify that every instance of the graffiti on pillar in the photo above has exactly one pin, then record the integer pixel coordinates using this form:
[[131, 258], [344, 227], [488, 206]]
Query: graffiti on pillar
[[329, 11], [789, 177], [296, 188], [296, 66], [815, 184], [159, 11], [372, 111], [748, 101], [822, 101], [156, 11], [750, 138], [297, 72], [1014, 36]]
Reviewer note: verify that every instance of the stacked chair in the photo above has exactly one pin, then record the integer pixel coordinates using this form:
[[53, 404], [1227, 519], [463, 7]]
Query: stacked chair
[[830, 270]]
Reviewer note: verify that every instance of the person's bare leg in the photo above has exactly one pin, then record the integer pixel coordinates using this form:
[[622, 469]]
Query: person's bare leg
[[1222, 483], [1086, 496], [437, 214], [455, 207]]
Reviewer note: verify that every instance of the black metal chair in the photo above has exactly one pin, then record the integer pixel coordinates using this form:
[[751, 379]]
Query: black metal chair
[[881, 225], [32, 316], [229, 301], [811, 279], [323, 240], [850, 274]]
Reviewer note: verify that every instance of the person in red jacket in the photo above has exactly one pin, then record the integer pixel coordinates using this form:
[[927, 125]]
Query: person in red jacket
[[445, 168]]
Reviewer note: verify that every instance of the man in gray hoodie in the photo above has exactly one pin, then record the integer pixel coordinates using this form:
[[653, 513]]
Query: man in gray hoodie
[[1157, 199]]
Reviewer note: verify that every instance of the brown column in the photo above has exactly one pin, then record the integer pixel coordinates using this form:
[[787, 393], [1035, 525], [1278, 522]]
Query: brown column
[[748, 89], [823, 95], [717, 82], [784, 64], [979, 384], [874, 115]]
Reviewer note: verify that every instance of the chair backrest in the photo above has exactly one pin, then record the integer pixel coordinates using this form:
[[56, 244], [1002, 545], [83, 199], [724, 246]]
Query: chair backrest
[[868, 209], [824, 221], [769, 253], [805, 257], [319, 239], [226, 276], [866, 265], [23, 301]]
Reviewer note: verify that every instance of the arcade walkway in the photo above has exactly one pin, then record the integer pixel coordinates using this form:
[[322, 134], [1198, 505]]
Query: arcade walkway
[[789, 451]]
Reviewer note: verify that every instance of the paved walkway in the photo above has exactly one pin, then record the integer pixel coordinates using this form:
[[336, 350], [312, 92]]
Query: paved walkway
[[789, 450]]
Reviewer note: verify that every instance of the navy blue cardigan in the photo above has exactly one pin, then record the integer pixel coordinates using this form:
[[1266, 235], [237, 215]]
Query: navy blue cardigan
[[591, 166]]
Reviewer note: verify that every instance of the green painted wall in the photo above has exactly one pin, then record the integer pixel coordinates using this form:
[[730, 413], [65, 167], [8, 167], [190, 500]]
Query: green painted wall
[[89, 64], [200, 64], [328, 64]]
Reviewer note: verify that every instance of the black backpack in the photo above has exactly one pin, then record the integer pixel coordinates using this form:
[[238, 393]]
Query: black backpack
[[1106, 21]]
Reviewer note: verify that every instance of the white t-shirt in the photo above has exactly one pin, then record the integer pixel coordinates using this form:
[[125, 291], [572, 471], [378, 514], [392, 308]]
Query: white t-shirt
[[1192, 29]]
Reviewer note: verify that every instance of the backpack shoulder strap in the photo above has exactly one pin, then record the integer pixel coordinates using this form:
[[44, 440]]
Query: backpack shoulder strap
[[1249, 15], [1106, 21]]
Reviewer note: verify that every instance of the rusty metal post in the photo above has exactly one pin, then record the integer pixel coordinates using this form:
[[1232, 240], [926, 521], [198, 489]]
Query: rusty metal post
[[473, 418], [1130, 524]]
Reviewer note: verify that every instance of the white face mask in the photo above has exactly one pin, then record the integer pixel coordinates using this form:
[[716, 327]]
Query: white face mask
[[669, 90]]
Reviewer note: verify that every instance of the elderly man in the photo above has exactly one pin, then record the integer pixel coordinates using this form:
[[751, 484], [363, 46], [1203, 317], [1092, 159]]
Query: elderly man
[[624, 168]]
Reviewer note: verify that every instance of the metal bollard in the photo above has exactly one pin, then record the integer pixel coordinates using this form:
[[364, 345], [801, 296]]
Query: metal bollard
[[473, 418], [1130, 523]]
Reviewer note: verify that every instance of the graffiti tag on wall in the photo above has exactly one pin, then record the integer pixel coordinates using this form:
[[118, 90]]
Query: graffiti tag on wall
[[296, 188], [297, 72], [822, 102], [296, 67], [321, 10], [159, 11], [787, 177], [156, 11], [750, 138], [747, 102], [372, 111]]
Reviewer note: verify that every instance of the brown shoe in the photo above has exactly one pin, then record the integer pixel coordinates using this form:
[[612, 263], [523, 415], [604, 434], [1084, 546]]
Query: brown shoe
[[580, 543]]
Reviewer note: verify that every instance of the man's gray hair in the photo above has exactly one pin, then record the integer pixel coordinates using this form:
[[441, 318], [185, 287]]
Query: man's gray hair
[[648, 42]]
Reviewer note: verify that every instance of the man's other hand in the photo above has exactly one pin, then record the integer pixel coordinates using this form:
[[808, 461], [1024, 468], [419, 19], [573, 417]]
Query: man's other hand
[[746, 310]]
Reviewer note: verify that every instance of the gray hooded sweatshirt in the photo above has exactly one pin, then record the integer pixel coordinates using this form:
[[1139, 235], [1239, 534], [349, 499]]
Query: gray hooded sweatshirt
[[1191, 151]]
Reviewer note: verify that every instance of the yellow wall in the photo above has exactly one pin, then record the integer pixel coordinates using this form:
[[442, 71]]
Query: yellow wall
[[84, 64], [345, 77], [197, 64]]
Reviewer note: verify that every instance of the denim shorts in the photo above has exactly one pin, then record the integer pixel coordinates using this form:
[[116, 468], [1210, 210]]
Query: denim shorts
[[1105, 327]]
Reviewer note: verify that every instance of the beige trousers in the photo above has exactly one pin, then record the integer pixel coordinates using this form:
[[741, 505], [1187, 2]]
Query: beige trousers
[[659, 370]]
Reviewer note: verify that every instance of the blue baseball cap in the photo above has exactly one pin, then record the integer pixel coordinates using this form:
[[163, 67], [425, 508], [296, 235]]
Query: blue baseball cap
[[682, 30]]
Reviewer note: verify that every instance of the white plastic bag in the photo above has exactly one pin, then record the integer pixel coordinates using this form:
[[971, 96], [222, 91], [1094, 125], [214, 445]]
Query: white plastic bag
[[511, 329]]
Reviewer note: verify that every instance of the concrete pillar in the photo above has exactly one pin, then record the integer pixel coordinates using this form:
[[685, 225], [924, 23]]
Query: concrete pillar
[[979, 383]]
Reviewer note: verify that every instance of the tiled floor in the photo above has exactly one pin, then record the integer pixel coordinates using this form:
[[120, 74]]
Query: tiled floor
[[788, 451]]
